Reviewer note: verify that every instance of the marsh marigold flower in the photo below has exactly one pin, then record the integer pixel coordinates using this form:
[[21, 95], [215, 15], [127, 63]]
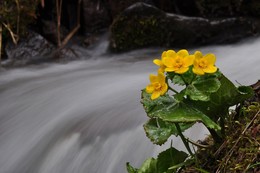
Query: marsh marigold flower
[[158, 86], [177, 62], [159, 62], [204, 64]]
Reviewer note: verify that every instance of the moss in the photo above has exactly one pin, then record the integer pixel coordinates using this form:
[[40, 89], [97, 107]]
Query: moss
[[138, 35], [240, 151]]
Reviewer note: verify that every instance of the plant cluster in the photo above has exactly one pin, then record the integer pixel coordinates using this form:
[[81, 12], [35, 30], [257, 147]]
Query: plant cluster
[[206, 97]]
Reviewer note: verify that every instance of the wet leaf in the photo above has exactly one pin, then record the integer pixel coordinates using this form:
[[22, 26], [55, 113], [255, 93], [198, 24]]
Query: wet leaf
[[154, 105], [202, 88], [183, 113], [158, 131], [169, 158]]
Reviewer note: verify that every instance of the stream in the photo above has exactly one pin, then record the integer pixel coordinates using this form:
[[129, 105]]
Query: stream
[[85, 116]]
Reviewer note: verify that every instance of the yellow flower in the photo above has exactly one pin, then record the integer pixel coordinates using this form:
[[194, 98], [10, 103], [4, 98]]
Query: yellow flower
[[178, 62], [160, 63], [204, 64], [158, 86]]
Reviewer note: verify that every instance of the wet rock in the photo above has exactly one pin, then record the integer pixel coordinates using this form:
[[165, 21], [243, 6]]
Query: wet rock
[[33, 48], [143, 25]]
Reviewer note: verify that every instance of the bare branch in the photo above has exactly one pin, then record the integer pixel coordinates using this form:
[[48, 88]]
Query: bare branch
[[73, 31]]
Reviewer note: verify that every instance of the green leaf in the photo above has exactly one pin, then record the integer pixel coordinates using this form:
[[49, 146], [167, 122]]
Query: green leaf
[[188, 77], [195, 94], [202, 87], [154, 105], [180, 96], [227, 95], [166, 159], [209, 85], [149, 166], [158, 131], [169, 158], [178, 80], [167, 109], [182, 79], [183, 113], [130, 169]]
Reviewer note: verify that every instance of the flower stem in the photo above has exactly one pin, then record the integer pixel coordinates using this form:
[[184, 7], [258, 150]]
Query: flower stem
[[215, 136], [183, 139]]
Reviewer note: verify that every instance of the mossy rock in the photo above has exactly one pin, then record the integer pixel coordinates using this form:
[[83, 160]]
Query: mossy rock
[[142, 25], [132, 29]]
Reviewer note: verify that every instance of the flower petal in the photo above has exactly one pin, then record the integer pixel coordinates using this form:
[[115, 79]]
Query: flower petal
[[161, 70], [164, 89], [182, 70], [155, 95], [183, 53], [198, 55], [161, 78], [153, 78], [170, 53], [168, 62], [171, 69], [210, 69], [163, 54], [211, 58], [157, 62], [188, 61], [198, 71], [149, 89]]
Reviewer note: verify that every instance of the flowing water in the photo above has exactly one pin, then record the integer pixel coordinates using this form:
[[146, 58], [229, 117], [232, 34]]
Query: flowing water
[[86, 116]]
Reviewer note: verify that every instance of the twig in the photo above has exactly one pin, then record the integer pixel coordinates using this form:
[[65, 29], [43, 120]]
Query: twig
[[58, 11], [197, 144], [13, 35], [69, 36], [74, 30]]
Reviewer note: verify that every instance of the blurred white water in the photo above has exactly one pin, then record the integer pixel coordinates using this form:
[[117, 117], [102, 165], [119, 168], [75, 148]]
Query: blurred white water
[[86, 116]]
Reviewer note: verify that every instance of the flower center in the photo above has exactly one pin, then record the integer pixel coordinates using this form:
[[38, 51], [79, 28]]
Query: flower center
[[178, 63], [157, 86], [203, 64]]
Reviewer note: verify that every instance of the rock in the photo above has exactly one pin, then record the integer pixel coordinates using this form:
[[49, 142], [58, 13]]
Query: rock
[[220, 8], [251, 8], [143, 25], [117, 6], [30, 49], [228, 8]]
